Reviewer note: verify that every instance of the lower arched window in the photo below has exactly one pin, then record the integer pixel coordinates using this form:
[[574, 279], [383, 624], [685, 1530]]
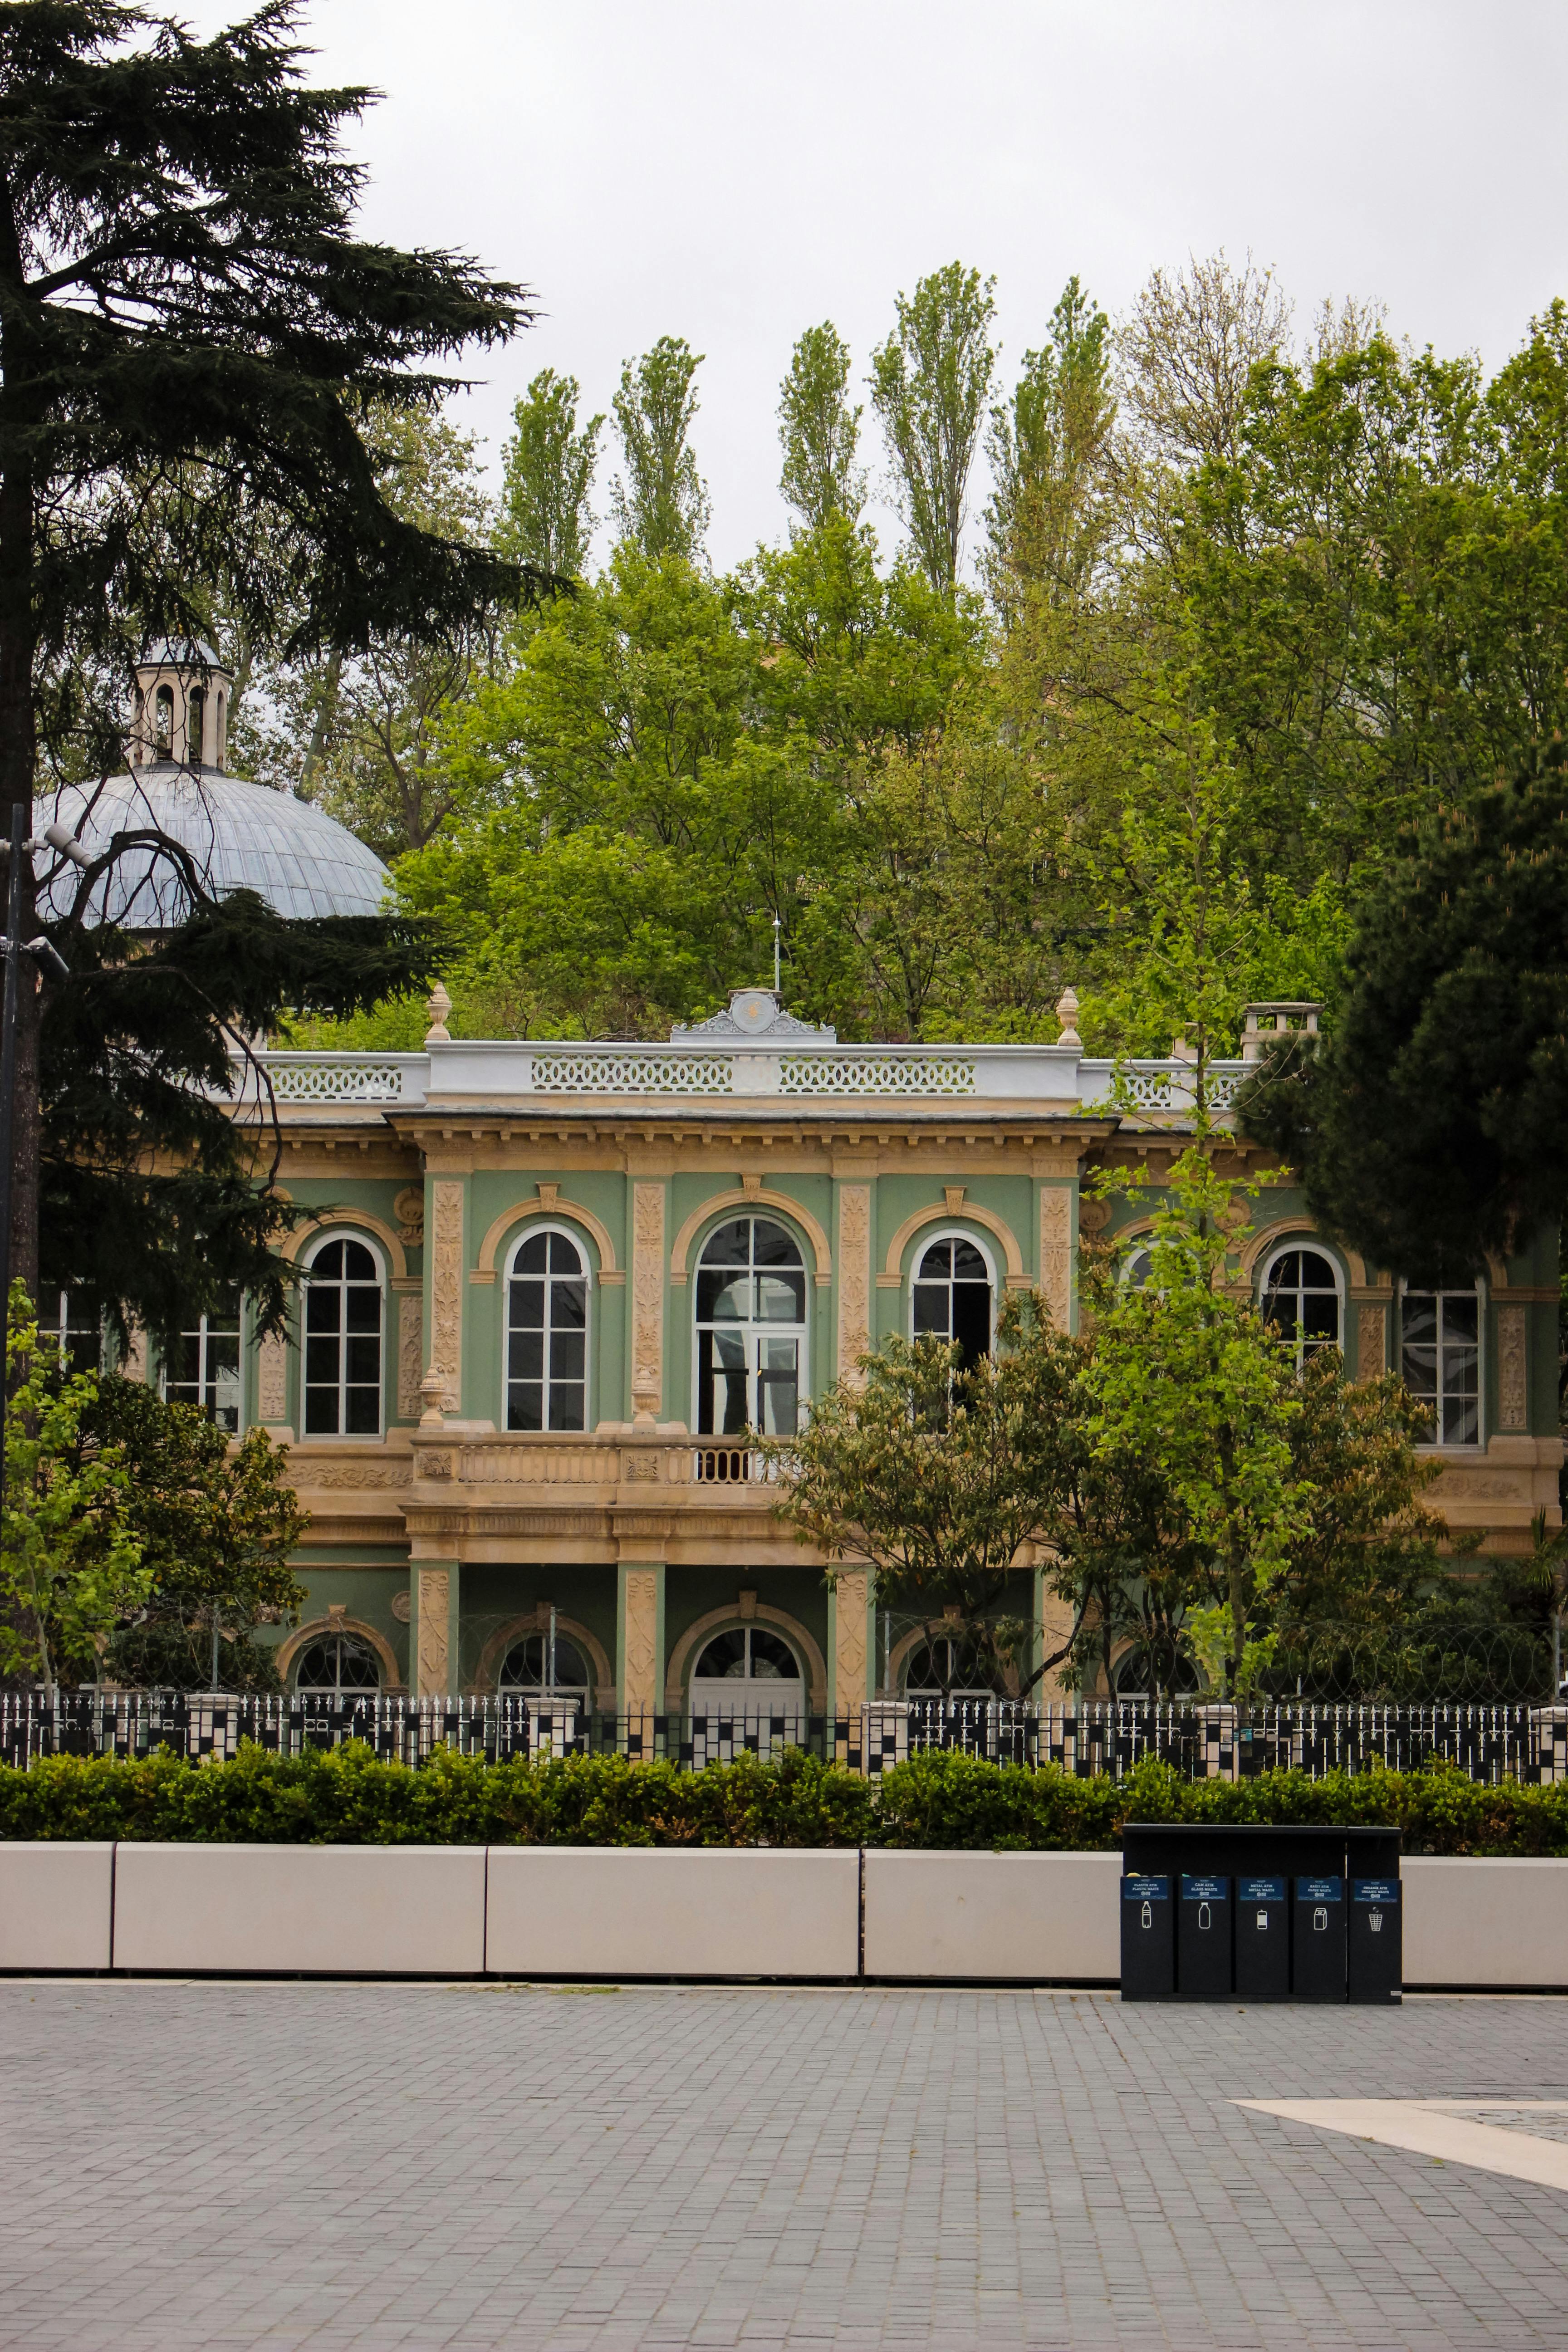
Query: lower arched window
[[204, 1367], [344, 1320], [1440, 1333], [952, 1296], [529, 1667], [338, 1666], [547, 1335], [1299, 1297], [950, 1668]]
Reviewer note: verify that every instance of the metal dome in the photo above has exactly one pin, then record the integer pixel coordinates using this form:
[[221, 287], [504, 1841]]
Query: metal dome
[[241, 836]]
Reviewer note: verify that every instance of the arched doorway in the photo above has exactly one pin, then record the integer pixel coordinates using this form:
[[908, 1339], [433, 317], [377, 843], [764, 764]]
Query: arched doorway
[[750, 1678]]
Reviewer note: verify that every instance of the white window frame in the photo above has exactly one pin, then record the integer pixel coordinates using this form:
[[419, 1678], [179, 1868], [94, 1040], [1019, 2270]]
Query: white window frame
[[529, 1234], [201, 1336], [801, 1330], [929, 1240], [1466, 1450], [319, 1634], [59, 1327], [1297, 1242], [346, 1232]]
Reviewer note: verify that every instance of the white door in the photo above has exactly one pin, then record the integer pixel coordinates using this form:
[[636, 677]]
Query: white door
[[748, 1686]]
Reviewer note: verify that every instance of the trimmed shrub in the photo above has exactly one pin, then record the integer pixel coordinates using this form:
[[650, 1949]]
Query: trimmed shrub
[[346, 1796]]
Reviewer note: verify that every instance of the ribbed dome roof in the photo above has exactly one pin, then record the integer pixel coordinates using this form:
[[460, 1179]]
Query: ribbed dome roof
[[241, 836]]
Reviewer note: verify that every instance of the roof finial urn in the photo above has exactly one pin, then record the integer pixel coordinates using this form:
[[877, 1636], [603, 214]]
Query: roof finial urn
[[1067, 1013], [437, 1004]]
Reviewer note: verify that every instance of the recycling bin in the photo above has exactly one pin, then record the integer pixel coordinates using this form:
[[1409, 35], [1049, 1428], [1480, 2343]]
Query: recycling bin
[[1262, 1936], [1318, 1938], [1203, 1937], [1375, 1955], [1148, 1937]]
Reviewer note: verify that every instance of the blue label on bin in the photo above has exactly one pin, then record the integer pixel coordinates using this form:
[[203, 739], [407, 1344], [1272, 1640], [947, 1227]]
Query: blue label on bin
[[1261, 1890], [1374, 1890], [1320, 1890], [1145, 1890], [1198, 1889]]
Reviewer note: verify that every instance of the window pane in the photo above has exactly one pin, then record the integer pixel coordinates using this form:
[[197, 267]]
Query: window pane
[[358, 1263], [1320, 1317], [1460, 1321], [1420, 1319], [321, 1359], [525, 1356], [1317, 1273], [774, 1246], [781, 1298], [568, 1353], [570, 1308], [363, 1308], [1286, 1272], [565, 1404], [528, 1306], [773, 1659], [1280, 1313], [937, 1264], [724, 1657], [327, 1263], [968, 1266], [563, 1257], [722, 1298], [321, 1412], [364, 1418], [364, 1360], [931, 1311], [972, 1319], [730, 1245], [525, 1406], [533, 1257], [324, 1309]]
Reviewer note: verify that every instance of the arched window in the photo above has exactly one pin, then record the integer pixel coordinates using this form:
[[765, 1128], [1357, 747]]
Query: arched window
[[344, 1320], [1137, 1269], [217, 729], [1300, 1298], [750, 1331], [952, 1296], [164, 720], [547, 1335], [1440, 1333], [947, 1668], [526, 1667], [195, 724], [750, 1671], [338, 1666], [1140, 1673], [68, 1324], [205, 1368]]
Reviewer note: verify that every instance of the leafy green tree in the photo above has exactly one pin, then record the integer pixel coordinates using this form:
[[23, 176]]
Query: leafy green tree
[[70, 1560], [929, 386], [548, 476], [819, 431], [1053, 513], [1372, 1545], [215, 1526], [1431, 1127], [185, 301], [1187, 1378], [661, 504]]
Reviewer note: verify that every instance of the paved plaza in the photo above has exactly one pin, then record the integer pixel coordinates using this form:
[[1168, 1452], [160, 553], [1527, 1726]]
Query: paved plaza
[[227, 2165]]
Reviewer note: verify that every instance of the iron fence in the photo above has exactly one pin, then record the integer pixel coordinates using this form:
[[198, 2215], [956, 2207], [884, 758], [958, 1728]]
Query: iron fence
[[1488, 1742]]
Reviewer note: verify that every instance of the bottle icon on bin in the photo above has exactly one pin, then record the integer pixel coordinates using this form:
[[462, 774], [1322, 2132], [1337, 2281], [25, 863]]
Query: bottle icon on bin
[[1320, 1919], [1148, 1919], [1205, 1918]]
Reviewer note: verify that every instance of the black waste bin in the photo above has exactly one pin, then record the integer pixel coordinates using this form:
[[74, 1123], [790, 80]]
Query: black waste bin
[[1376, 1955], [1203, 1937], [1275, 1947], [1262, 1939], [1148, 1937], [1318, 1937]]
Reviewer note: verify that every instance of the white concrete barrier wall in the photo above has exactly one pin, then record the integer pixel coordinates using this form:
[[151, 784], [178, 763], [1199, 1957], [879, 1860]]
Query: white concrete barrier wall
[[358, 1909], [1470, 1920], [56, 1904], [626, 1911], [1033, 1917]]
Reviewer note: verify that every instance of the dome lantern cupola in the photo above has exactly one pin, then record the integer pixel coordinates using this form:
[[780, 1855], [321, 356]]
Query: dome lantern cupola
[[183, 694]]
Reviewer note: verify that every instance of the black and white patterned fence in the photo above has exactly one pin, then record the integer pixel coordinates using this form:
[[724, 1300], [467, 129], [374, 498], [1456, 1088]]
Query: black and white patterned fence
[[1489, 1743]]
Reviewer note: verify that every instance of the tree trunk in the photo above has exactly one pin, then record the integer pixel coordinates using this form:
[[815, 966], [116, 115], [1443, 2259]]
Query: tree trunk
[[21, 414]]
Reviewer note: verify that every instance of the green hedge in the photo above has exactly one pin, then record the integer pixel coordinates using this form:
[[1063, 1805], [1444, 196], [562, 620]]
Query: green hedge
[[347, 1797]]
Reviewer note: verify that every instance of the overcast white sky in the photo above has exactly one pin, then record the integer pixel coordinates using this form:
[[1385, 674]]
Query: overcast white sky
[[734, 174]]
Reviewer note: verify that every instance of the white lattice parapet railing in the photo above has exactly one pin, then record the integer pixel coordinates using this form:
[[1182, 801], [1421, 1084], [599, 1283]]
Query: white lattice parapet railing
[[473, 1072]]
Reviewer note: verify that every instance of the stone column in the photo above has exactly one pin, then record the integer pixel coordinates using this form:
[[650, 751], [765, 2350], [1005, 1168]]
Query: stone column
[[444, 1258], [272, 1388], [639, 1641], [1371, 1340], [435, 1592], [1058, 1247], [1513, 1368], [647, 1301], [854, 1279], [409, 1291], [850, 1660]]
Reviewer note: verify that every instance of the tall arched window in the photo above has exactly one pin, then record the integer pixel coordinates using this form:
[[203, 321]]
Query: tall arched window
[[750, 1331], [1300, 1299], [1440, 1333], [952, 1296], [195, 724], [205, 1368], [344, 1320], [532, 1665], [217, 729], [547, 1334], [164, 720], [751, 1670], [340, 1665]]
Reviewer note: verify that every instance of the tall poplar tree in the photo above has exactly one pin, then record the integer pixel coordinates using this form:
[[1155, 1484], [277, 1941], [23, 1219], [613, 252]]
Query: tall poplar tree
[[929, 386], [819, 431], [548, 473], [661, 502]]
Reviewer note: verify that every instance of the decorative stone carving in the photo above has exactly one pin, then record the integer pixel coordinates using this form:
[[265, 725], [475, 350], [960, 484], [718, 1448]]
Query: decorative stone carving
[[647, 1301], [953, 1196], [1513, 1377], [347, 1475], [640, 1695], [438, 1462], [854, 1280], [434, 1601], [271, 1378], [1093, 1216], [851, 1593], [408, 1208], [641, 1468], [134, 1367], [1372, 1341], [437, 1004], [1056, 1252], [400, 1608], [410, 1353], [447, 1293]]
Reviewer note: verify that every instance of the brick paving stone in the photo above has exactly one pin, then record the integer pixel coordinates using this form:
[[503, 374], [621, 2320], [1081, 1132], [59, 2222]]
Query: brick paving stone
[[450, 2169]]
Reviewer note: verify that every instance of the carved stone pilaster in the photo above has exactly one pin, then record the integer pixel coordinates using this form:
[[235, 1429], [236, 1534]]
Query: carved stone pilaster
[[410, 1353], [271, 1380], [1372, 1341], [854, 1280], [640, 1675], [1056, 1253], [447, 1293], [647, 1302], [1513, 1368], [851, 1593], [134, 1367], [435, 1603]]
